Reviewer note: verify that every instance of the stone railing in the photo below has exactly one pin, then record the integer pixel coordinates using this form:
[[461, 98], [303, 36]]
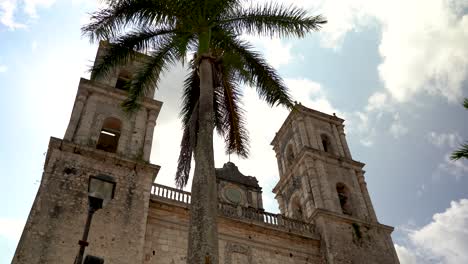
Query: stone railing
[[169, 193], [232, 211], [275, 220]]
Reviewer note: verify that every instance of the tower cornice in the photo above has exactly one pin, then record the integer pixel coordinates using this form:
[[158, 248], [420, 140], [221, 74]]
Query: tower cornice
[[91, 86], [316, 155], [298, 112]]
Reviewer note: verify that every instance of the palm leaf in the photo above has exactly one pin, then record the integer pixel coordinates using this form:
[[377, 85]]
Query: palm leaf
[[462, 152], [271, 20], [254, 70], [110, 22]]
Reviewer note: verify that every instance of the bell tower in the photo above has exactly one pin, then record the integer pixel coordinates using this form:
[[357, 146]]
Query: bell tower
[[320, 183], [101, 140]]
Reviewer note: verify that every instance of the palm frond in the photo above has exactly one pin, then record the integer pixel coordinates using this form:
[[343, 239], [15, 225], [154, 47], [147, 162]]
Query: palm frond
[[123, 49], [465, 103], [108, 23], [272, 20], [149, 73], [462, 152], [232, 115], [114, 56], [144, 39], [254, 70], [189, 115]]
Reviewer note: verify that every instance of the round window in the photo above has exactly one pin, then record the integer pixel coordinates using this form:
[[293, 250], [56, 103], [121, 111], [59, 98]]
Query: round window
[[233, 195]]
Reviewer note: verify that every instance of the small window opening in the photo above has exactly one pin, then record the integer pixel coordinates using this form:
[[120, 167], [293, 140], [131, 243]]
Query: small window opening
[[343, 196], [110, 134], [326, 143], [122, 80], [290, 155]]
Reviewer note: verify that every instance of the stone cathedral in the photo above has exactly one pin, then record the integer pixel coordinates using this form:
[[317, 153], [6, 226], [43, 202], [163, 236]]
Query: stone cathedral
[[326, 214]]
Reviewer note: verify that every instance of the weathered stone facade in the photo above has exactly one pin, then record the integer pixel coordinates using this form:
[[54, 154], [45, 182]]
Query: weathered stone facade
[[326, 212]]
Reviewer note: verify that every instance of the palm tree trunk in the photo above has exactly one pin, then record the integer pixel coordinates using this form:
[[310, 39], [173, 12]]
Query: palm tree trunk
[[203, 232]]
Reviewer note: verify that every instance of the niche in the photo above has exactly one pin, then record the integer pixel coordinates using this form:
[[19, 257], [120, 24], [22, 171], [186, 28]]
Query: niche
[[344, 198], [109, 135], [326, 143], [290, 155], [123, 79]]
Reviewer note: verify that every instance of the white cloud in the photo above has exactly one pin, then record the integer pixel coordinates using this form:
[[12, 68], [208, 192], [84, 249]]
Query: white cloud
[[31, 6], [276, 51], [3, 68], [397, 129], [7, 12], [376, 101], [422, 52], [444, 240], [9, 9], [451, 227], [451, 140], [457, 168], [361, 126], [404, 255]]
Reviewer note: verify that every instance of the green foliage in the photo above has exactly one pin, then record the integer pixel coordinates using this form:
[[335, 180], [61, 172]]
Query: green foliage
[[462, 152], [167, 31]]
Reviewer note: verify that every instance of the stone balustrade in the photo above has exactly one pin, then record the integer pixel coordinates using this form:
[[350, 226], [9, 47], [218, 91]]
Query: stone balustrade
[[169, 193], [253, 215]]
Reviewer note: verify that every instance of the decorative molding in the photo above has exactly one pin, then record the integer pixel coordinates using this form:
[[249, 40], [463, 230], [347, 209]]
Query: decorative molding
[[232, 247]]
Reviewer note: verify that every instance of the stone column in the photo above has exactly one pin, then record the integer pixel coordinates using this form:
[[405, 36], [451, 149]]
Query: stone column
[[365, 193], [303, 132], [150, 123], [278, 161], [328, 198], [343, 142], [83, 132], [139, 132], [339, 146], [359, 203], [309, 200], [319, 141], [76, 114], [314, 183], [297, 139], [311, 133]]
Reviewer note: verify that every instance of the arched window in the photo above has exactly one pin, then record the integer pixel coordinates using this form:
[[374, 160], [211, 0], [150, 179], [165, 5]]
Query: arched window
[[110, 134], [289, 155], [326, 143], [344, 198], [123, 79]]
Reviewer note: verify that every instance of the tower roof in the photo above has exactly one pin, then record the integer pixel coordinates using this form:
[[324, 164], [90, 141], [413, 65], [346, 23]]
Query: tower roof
[[300, 109]]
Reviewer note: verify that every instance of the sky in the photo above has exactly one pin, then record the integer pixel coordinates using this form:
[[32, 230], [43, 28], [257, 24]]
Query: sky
[[396, 71]]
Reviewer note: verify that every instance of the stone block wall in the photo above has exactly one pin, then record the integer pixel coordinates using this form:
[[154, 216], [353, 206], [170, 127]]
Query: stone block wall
[[240, 242], [347, 240], [57, 219]]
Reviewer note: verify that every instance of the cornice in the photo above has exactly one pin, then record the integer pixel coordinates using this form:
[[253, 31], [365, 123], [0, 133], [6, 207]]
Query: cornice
[[316, 155], [98, 155], [298, 108], [104, 89], [348, 219]]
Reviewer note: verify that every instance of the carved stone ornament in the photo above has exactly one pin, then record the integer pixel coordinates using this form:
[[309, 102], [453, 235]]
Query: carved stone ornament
[[237, 254]]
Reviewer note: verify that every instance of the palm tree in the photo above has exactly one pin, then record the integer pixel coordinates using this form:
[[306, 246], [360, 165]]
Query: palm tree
[[169, 30], [462, 152]]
